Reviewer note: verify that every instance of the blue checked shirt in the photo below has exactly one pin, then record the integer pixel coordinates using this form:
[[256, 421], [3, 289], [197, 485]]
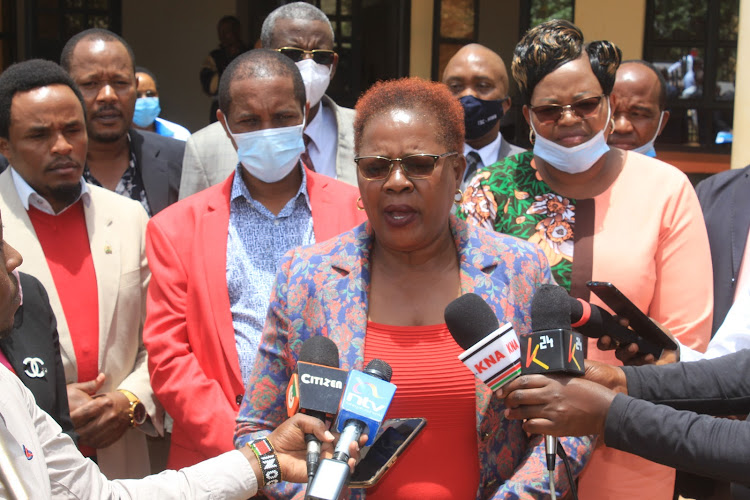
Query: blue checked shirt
[[256, 243]]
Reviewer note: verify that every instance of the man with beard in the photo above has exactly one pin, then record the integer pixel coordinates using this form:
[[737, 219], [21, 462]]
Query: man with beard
[[478, 78], [140, 165], [86, 245], [303, 33]]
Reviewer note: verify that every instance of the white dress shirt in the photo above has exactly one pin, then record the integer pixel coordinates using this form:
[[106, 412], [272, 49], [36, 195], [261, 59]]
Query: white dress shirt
[[488, 154], [733, 334], [42, 462], [323, 133], [29, 196]]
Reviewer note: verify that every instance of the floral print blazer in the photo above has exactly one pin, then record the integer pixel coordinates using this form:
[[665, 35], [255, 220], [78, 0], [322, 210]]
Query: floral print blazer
[[323, 290]]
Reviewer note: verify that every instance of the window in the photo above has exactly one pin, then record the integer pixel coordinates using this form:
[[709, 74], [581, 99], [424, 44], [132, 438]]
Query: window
[[694, 45], [52, 22], [456, 23], [534, 12]]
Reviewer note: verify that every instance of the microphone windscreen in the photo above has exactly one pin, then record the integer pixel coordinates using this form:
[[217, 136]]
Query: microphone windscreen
[[321, 351], [380, 369], [550, 308], [470, 319]]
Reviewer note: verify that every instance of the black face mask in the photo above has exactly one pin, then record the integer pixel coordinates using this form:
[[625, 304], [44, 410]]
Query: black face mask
[[480, 116]]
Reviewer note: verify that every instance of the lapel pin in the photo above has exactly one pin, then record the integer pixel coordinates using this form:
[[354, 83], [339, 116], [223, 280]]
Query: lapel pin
[[108, 249]]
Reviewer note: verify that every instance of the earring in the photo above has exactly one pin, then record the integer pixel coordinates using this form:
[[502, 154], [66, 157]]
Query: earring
[[612, 122], [531, 136], [458, 197], [359, 204]]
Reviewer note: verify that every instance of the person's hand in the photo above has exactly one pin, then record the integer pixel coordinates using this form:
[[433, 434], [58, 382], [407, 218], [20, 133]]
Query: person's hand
[[558, 405], [288, 441], [103, 420], [611, 377], [629, 353], [80, 393]]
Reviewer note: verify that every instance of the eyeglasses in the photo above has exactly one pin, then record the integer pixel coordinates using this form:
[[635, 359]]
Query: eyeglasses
[[584, 108], [417, 166], [320, 56]]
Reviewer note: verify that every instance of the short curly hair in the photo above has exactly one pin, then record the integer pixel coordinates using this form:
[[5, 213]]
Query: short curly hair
[[551, 44], [30, 75], [432, 99]]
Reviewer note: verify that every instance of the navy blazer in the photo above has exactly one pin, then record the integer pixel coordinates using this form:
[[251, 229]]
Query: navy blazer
[[159, 160], [725, 201], [33, 350]]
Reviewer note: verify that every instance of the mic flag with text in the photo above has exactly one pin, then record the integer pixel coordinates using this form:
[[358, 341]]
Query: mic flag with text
[[317, 382], [491, 352], [552, 346]]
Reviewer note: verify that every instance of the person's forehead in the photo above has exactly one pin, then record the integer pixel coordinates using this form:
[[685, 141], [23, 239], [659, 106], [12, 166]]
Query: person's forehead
[[303, 33], [43, 98], [145, 81], [637, 81], [256, 91], [100, 53], [476, 63]]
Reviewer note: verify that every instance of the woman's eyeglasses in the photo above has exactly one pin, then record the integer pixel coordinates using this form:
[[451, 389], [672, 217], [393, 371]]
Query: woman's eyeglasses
[[416, 166], [584, 108], [320, 56]]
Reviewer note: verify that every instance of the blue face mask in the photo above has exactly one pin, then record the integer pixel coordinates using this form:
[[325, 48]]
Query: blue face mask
[[480, 115], [576, 159], [146, 111], [270, 154], [648, 148]]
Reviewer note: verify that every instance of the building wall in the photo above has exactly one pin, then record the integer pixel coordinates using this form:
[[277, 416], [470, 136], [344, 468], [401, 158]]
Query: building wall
[[620, 22], [173, 45]]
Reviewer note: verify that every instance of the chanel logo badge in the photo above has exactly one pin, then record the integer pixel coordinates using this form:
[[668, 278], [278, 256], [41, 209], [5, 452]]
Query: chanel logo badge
[[34, 367]]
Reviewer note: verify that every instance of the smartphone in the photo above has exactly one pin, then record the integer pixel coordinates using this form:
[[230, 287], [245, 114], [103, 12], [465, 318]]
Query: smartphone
[[393, 437], [639, 322]]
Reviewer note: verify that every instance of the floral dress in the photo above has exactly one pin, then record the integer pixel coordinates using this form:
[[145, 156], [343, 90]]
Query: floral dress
[[510, 197]]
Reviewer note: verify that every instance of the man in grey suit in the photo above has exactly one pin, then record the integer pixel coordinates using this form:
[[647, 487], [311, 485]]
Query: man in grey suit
[[303, 33], [478, 78]]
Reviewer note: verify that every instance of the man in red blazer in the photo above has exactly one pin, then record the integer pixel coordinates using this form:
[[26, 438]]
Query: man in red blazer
[[213, 256]]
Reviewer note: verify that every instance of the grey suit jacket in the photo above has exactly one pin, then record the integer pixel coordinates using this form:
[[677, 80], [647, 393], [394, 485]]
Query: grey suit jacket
[[160, 162], [116, 226], [210, 156], [508, 149], [726, 208]]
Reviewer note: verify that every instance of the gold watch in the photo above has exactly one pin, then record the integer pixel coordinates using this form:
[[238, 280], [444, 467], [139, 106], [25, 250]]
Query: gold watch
[[137, 410]]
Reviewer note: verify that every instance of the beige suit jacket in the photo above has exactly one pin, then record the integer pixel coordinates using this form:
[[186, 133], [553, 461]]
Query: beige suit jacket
[[210, 156], [116, 226]]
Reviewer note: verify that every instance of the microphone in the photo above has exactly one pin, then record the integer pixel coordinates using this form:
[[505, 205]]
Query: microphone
[[363, 407], [552, 347], [593, 321], [315, 389], [491, 352]]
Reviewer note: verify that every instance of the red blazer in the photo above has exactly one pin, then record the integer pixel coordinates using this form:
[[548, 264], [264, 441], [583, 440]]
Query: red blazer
[[192, 357]]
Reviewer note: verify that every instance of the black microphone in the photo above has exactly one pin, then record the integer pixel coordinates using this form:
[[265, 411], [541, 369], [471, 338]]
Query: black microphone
[[315, 389], [363, 407], [593, 321], [552, 347], [491, 352]]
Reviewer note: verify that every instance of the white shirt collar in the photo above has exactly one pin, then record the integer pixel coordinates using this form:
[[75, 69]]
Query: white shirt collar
[[489, 153], [323, 134], [30, 197]]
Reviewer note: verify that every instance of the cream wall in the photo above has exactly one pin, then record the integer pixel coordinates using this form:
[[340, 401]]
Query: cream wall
[[172, 39], [618, 21], [741, 139]]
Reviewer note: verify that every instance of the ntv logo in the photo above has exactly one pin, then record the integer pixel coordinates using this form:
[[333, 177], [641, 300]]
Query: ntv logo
[[357, 396]]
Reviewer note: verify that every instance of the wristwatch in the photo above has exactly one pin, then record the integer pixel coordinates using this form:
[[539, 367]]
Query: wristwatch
[[137, 410]]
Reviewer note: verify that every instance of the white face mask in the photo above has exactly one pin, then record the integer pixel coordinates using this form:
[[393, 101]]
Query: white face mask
[[648, 148], [270, 154], [316, 77], [576, 159]]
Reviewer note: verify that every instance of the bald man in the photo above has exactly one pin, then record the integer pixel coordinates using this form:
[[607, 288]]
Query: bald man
[[478, 78], [640, 96]]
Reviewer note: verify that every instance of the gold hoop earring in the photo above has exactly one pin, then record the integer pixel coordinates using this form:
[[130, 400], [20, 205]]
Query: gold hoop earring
[[612, 121], [359, 204], [458, 197], [531, 136]]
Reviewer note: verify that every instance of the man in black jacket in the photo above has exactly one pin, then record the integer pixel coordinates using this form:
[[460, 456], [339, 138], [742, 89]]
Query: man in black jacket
[[33, 351], [627, 406]]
